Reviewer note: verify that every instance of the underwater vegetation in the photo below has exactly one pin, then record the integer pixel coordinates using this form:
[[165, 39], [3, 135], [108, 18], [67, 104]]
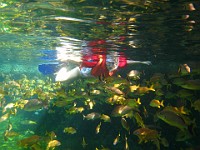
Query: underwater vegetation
[[159, 112]]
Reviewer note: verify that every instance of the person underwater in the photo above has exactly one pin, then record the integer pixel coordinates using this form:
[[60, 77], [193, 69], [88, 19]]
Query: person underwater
[[95, 61]]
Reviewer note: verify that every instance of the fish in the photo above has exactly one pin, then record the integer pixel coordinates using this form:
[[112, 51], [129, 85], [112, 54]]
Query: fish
[[27, 122], [117, 85], [156, 103], [98, 128], [138, 119], [69, 130], [105, 118], [148, 135], [126, 143], [90, 103], [102, 148], [8, 106], [20, 103], [121, 110], [115, 90], [74, 110], [95, 92], [14, 83], [52, 144], [172, 119], [51, 135], [34, 104], [178, 110], [129, 114], [134, 103], [92, 116], [5, 117], [125, 124], [132, 19], [191, 84], [84, 144], [184, 69], [29, 141], [187, 84], [116, 140], [133, 74], [116, 99], [143, 90], [133, 88], [9, 128], [7, 134]]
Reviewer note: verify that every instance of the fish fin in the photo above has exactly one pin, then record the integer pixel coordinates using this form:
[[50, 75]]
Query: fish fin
[[162, 103], [152, 88], [182, 110], [83, 117], [138, 101]]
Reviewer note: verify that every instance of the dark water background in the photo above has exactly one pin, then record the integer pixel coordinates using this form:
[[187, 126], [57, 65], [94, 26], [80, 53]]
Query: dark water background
[[155, 31]]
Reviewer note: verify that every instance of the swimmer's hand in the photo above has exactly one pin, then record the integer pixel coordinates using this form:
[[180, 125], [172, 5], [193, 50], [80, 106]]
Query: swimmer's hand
[[138, 62]]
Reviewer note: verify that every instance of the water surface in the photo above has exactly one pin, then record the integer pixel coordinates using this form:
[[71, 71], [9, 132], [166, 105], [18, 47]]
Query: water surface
[[33, 33]]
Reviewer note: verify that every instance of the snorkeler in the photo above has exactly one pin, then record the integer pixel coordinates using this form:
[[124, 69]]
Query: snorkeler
[[96, 61]]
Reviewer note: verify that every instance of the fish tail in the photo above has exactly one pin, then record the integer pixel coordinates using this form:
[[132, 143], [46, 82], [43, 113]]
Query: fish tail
[[162, 103], [182, 110], [152, 88], [83, 117], [138, 101]]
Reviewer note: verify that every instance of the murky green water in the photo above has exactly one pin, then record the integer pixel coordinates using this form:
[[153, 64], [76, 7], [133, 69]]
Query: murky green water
[[39, 38]]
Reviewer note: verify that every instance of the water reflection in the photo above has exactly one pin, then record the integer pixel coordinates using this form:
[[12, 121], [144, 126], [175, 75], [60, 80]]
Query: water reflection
[[149, 28], [99, 58]]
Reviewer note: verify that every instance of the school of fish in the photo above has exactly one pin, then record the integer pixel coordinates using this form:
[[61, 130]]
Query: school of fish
[[126, 112]]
